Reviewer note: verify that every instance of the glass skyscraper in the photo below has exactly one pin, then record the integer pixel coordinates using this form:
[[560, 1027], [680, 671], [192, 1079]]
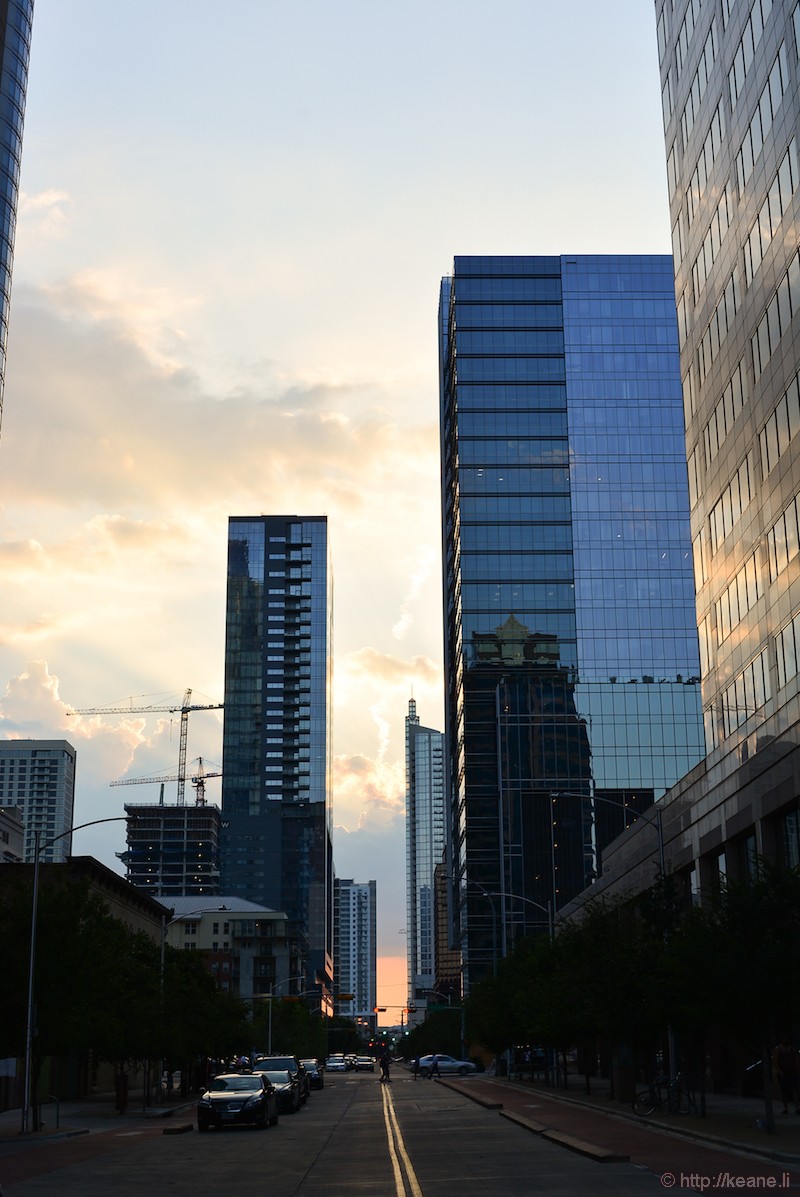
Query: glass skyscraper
[[425, 842], [276, 770], [571, 656], [16, 17], [730, 80]]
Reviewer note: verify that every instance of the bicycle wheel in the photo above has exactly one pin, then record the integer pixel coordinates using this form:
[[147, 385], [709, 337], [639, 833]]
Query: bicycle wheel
[[644, 1103]]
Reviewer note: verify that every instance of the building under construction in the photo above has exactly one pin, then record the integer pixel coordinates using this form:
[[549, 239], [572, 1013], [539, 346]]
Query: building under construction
[[173, 851]]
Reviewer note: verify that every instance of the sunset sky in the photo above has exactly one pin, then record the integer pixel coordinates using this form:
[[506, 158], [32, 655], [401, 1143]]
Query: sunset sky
[[230, 239]]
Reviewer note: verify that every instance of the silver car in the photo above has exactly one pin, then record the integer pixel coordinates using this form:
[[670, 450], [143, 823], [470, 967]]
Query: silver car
[[448, 1065]]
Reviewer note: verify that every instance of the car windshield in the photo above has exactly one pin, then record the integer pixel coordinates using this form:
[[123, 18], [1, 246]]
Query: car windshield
[[280, 1062], [277, 1078], [223, 1084]]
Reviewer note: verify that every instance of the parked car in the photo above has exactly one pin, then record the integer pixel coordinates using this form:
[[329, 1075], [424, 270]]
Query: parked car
[[287, 1089], [365, 1064], [335, 1064], [236, 1098], [316, 1073], [289, 1063], [447, 1065]]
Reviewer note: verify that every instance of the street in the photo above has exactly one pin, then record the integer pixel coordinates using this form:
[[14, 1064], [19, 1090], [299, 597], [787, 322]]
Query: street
[[408, 1139]]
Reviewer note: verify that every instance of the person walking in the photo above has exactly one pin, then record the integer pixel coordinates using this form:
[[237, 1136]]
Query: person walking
[[386, 1061], [786, 1064], [434, 1069], [415, 1066]]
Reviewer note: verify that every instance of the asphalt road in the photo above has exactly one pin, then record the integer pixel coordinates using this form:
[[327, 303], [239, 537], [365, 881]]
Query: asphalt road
[[355, 1137]]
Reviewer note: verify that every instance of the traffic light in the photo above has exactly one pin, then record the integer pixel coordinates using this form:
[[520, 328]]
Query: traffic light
[[378, 1009], [411, 1009]]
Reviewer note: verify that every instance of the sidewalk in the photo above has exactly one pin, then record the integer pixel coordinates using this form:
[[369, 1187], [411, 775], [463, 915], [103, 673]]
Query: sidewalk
[[731, 1123], [89, 1115]]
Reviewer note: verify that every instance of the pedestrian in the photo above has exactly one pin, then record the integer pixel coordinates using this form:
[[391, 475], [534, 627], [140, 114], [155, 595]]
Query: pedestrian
[[434, 1068], [787, 1068], [386, 1061], [415, 1066]]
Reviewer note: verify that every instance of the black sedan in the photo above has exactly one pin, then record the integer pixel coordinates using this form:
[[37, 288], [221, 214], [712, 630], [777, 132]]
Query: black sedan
[[316, 1073], [237, 1098], [287, 1089], [291, 1064]]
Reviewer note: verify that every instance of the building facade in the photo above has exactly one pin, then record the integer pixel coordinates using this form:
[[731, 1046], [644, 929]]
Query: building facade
[[38, 776], [425, 844], [246, 947], [730, 84], [12, 835], [16, 18], [571, 658], [276, 785], [356, 951], [173, 851]]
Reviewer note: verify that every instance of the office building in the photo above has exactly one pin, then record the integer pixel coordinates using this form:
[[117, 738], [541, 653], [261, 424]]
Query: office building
[[173, 851], [425, 842], [38, 776], [276, 784], [730, 78], [355, 955], [571, 659], [16, 17]]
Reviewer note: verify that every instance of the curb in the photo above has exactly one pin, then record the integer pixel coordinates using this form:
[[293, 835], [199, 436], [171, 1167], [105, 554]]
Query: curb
[[601, 1155]]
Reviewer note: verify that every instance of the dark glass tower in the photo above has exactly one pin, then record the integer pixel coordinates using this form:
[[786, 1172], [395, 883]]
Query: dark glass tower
[[276, 767], [571, 660], [16, 17]]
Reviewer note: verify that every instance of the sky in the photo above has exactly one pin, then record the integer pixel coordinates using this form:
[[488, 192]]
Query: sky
[[231, 232]]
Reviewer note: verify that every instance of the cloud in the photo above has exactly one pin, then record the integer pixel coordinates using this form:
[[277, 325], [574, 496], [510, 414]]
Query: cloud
[[43, 216], [368, 794]]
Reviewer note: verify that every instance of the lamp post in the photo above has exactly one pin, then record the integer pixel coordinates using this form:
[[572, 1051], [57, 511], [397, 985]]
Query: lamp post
[[39, 847], [657, 823], [271, 997], [490, 898]]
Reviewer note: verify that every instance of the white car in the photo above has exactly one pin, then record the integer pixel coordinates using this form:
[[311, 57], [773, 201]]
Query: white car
[[335, 1064], [447, 1065]]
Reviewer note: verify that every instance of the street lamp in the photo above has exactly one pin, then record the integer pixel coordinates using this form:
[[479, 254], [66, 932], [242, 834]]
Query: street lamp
[[657, 822], [490, 898], [39, 847]]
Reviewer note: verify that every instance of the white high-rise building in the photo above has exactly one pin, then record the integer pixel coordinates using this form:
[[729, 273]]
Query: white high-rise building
[[38, 777], [425, 842], [355, 954]]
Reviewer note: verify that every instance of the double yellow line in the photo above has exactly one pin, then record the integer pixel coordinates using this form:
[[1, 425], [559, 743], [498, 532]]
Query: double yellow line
[[397, 1150]]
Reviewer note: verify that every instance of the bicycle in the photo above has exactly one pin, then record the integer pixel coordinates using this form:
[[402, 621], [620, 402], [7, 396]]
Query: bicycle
[[665, 1096]]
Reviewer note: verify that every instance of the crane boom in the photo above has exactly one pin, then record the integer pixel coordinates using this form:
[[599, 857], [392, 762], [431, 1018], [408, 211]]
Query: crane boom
[[185, 707]]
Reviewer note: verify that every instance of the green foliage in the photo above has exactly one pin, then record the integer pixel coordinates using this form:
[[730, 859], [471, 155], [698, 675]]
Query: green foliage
[[628, 967], [440, 1032]]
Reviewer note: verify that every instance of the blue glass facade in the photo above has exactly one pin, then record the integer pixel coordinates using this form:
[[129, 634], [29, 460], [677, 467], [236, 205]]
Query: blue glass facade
[[16, 17], [276, 739], [571, 656]]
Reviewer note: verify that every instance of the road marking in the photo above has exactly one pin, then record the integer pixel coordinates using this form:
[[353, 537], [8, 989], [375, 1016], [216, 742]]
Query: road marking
[[397, 1146]]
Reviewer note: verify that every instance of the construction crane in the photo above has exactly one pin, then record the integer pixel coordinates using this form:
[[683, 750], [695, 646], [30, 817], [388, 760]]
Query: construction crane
[[197, 778], [185, 707]]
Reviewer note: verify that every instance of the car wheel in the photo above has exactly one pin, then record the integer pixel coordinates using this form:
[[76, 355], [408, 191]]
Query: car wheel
[[463, 1071], [274, 1119]]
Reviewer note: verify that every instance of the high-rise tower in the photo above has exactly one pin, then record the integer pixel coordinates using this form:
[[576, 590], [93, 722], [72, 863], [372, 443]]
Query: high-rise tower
[[38, 776], [276, 784], [571, 658], [16, 17], [731, 97], [425, 841]]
